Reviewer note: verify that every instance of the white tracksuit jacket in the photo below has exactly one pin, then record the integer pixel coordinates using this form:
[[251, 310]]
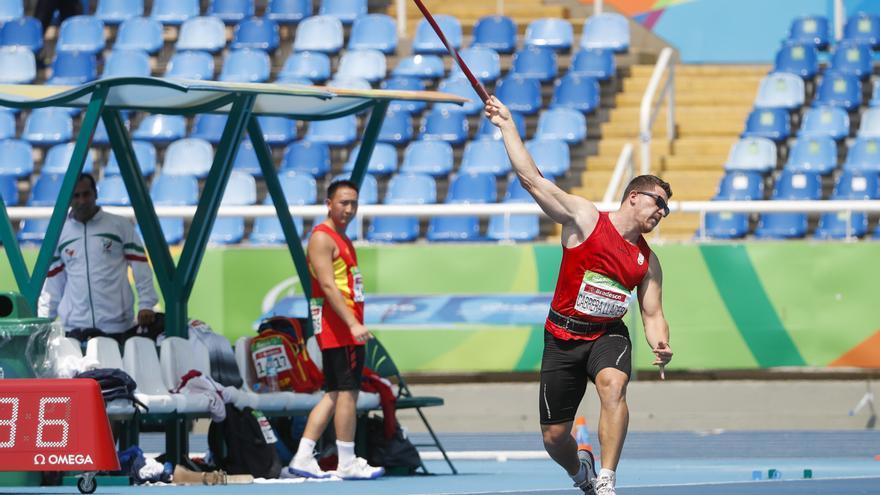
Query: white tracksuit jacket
[[87, 285]]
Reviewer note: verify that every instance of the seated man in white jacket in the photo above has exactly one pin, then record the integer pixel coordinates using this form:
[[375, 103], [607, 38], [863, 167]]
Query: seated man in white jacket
[[87, 286]]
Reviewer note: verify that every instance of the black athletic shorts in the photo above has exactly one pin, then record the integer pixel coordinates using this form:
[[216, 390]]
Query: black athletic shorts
[[567, 364], [343, 367]]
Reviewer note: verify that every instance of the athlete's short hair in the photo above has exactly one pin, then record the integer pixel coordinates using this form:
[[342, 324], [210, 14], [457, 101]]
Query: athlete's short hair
[[646, 183], [336, 184], [91, 179]]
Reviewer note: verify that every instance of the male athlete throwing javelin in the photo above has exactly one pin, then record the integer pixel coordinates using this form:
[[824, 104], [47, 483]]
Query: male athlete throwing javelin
[[604, 257]]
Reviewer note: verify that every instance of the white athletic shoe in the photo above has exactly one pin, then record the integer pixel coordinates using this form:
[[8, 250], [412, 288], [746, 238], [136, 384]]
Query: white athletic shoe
[[605, 485], [589, 463], [307, 468], [358, 469]]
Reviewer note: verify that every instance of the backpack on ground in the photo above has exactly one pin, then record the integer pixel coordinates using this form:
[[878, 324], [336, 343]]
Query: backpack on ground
[[243, 443], [396, 454], [280, 345], [115, 384]]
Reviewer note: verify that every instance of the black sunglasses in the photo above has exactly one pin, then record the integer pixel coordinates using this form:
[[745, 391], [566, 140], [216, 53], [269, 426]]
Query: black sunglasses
[[658, 200]]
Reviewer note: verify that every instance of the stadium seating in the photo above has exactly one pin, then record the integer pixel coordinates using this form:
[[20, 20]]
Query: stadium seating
[[209, 126], [81, 33], [755, 154], [127, 63], [299, 189], [869, 127], [48, 126], [8, 189], [799, 59], [460, 86], [771, 123], [551, 156], [288, 11], [495, 32], [174, 190], [536, 63], [426, 41], [319, 33], [204, 33], [556, 34], [139, 33], [17, 65], [840, 225], [314, 66], [256, 33], [188, 156], [245, 65], [73, 68], [825, 121], [7, 124], [445, 125], [403, 189], [734, 186], [594, 62], [246, 160], [277, 130], [408, 84], [25, 32], [191, 65], [160, 128], [241, 190], [486, 156], [112, 192], [58, 158], [396, 128], [374, 32], [781, 90], [863, 155], [18, 160], [488, 130], [115, 12], [365, 64], [606, 31], [839, 90], [434, 158], [44, 193], [308, 157], [564, 124], [383, 161], [577, 92], [810, 30], [144, 152], [423, 66], [11, 10], [514, 227], [174, 12], [520, 94], [231, 11], [484, 63], [341, 131], [864, 29], [347, 11], [789, 186], [852, 59], [812, 154], [464, 188]]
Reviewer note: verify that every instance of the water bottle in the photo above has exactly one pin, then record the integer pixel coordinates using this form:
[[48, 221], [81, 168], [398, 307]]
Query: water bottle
[[2, 373], [272, 377]]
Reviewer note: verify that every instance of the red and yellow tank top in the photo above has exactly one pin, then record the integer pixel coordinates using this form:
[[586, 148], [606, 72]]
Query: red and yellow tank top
[[597, 278], [331, 330]]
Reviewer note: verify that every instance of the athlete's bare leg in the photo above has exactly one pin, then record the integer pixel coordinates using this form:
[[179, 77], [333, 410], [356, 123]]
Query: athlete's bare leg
[[345, 420], [561, 446], [614, 415], [320, 416]]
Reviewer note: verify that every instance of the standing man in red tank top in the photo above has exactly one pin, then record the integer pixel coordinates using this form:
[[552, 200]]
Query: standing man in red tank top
[[604, 258], [337, 308]]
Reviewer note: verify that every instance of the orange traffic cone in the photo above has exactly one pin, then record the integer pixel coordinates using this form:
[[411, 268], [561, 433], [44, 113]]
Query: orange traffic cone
[[581, 435]]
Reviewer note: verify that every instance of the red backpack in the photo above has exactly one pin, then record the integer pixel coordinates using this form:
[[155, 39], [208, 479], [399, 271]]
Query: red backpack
[[280, 342]]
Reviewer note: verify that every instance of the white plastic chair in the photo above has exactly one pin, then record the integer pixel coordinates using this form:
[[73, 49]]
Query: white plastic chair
[[177, 356], [105, 351], [142, 364]]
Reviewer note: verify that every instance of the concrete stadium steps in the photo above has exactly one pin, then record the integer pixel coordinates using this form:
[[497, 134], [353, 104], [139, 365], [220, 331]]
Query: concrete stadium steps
[[522, 12]]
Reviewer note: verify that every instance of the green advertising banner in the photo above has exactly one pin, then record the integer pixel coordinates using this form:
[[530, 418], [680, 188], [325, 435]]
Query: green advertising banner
[[729, 306]]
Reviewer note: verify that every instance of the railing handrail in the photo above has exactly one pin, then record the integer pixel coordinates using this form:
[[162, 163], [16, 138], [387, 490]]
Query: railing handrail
[[649, 109], [624, 163]]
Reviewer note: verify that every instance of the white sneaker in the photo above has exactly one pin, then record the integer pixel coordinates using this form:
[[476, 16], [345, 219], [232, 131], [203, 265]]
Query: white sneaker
[[605, 485], [589, 463], [358, 469], [307, 468]]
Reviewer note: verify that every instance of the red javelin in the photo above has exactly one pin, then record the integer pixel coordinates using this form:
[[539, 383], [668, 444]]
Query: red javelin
[[481, 91]]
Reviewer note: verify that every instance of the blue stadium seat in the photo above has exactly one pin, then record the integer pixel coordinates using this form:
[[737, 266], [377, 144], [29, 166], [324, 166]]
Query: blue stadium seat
[[112, 192], [554, 33], [174, 12], [81, 33], [48, 126], [160, 128], [100, 137], [812, 154], [734, 186], [58, 157], [7, 124], [188, 156], [849, 186], [44, 193], [139, 33], [517, 227], [863, 28], [11, 10], [752, 154], [594, 62], [460, 86], [497, 32], [174, 190], [320, 33], [463, 189], [535, 62], [241, 190], [433, 158], [252, 66], [17, 65], [825, 121], [780, 90], [9, 189], [383, 161], [115, 12], [863, 156], [144, 152], [408, 84], [127, 63], [488, 130], [579, 93], [520, 94], [485, 156], [246, 159], [798, 59], [277, 131], [73, 68], [839, 90], [191, 65], [606, 31], [397, 128], [349, 83], [484, 63], [852, 59], [288, 11], [423, 66], [341, 131], [444, 124], [307, 157], [256, 33], [550, 155], [204, 33], [346, 11], [426, 40], [870, 124], [26, 32], [209, 126], [562, 123], [374, 32], [810, 30], [299, 189], [314, 66], [18, 160], [231, 11], [790, 186], [771, 123], [364, 64], [403, 189], [875, 93]]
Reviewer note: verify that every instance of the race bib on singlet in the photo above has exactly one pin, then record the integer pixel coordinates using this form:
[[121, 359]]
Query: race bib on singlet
[[316, 305], [358, 285], [602, 296], [270, 351]]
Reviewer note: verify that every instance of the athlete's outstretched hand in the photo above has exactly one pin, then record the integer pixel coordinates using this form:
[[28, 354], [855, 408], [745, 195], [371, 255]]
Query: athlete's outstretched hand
[[496, 112], [662, 356]]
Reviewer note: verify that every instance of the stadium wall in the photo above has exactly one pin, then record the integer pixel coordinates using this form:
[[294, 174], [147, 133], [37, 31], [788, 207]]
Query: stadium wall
[[730, 306]]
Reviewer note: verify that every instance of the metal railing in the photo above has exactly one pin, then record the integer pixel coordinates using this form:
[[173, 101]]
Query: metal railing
[[624, 171], [649, 109]]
